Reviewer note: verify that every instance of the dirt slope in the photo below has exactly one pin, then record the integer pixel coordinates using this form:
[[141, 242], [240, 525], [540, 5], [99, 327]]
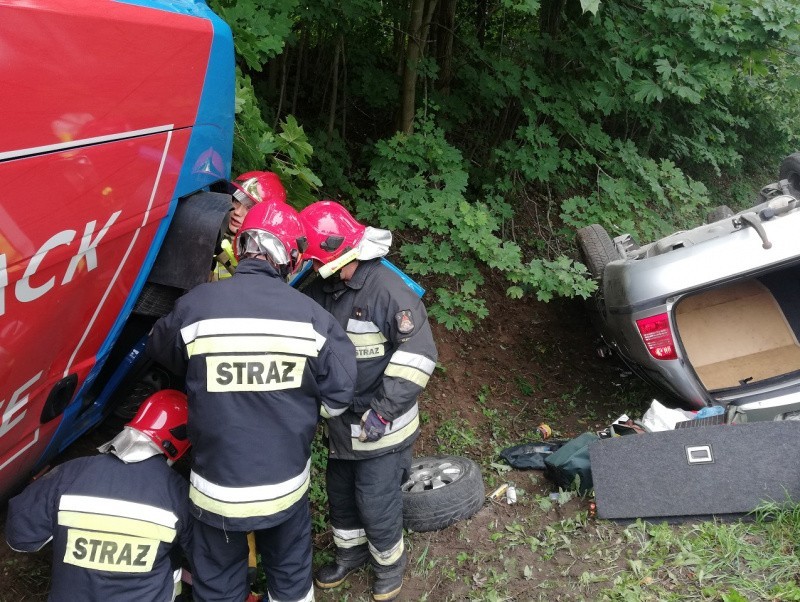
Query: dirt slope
[[526, 364]]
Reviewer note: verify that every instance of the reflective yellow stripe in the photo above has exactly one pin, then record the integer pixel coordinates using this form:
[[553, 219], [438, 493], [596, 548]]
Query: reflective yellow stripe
[[110, 552], [330, 268], [251, 344], [252, 493], [349, 538], [412, 374], [228, 248], [394, 426], [115, 524], [389, 556], [309, 597], [115, 507], [414, 360], [323, 411], [361, 326], [252, 327], [366, 339], [247, 509], [388, 440]]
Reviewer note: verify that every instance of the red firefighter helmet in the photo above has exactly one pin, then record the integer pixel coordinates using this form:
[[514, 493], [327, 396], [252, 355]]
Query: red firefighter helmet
[[162, 417], [253, 187], [272, 229], [331, 230]]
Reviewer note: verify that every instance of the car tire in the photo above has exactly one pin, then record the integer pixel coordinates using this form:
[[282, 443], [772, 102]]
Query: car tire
[[790, 170], [440, 491], [597, 249], [718, 213], [152, 379]]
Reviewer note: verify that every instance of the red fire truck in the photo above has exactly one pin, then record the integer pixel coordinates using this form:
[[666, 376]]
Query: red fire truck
[[115, 144]]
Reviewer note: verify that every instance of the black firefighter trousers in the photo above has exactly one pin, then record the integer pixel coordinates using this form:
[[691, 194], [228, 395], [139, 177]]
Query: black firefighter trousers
[[365, 494], [219, 560]]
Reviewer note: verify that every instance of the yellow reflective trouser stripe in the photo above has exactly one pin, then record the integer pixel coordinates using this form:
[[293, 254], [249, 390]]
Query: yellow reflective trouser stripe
[[247, 509], [115, 524], [177, 577], [415, 376], [349, 538], [387, 440], [251, 344], [309, 597], [110, 551], [389, 556]]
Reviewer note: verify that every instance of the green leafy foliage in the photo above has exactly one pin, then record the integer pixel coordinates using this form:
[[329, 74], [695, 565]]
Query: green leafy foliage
[[287, 152], [537, 118], [638, 195], [260, 27], [420, 183]]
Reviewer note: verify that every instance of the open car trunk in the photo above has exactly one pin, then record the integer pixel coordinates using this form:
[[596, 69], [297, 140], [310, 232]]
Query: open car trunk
[[744, 332]]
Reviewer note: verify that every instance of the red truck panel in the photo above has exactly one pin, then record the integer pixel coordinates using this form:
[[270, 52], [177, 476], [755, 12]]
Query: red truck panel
[[89, 71], [91, 93]]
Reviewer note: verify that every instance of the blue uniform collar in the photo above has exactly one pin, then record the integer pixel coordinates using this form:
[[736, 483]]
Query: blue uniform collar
[[256, 266], [363, 270]]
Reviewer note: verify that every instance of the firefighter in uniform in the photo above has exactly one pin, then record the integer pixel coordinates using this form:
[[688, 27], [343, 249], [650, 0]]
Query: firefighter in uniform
[[246, 190], [370, 444], [261, 362], [118, 520]]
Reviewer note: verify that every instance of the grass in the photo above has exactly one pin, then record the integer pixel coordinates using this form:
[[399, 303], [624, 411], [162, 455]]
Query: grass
[[733, 562], [579, 558], [550, 547]]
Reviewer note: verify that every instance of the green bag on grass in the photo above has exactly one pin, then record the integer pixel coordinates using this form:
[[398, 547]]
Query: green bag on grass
[[571, 460]]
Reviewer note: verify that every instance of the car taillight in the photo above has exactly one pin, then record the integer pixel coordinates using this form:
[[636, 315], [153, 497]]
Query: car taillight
[[657, 336]]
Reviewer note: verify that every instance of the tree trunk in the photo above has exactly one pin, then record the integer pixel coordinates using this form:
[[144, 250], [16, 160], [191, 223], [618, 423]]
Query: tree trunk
[[444, 36], [298, 71], [550, 19], [273, 69], [344, 92], [481, 18], [550, 14], [413, 50], [282, 93], [398, 47], [419, 24], [334, 86]]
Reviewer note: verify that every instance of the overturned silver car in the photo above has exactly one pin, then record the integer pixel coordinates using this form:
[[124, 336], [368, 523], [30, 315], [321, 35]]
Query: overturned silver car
[[710, 315]]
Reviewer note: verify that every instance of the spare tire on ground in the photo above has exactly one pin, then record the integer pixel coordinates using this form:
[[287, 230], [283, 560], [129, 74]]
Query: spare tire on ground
[[440, 491]]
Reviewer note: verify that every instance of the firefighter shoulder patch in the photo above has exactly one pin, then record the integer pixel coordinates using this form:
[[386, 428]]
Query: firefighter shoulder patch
[[405, 323]]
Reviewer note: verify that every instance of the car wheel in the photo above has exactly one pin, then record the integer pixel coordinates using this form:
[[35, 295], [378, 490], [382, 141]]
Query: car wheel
[[597, 249], [440, 491], [152, 379], [718, 213], [790, 170]]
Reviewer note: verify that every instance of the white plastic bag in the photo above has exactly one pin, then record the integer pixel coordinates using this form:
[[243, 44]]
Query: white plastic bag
[[661, 418]]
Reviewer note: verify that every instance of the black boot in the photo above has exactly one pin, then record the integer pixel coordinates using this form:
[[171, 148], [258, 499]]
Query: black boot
[[387, 587], [332, 574]]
